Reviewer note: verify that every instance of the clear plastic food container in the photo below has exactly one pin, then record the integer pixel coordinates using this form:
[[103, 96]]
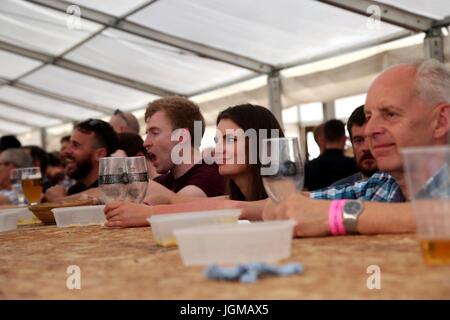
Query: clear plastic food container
[[237, 243], [163, 225], [79, 216], [9, 219]]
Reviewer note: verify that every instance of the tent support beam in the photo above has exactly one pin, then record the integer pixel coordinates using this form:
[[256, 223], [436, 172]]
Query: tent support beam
[[274, 92], [18, 122], [389, 14], [433, 45], [43, 132], [59, 97], [38, 112], [158, 36], [328, 110], [83, 69]]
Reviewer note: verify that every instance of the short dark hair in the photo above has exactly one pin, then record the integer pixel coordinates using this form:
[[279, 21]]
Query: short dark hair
[[318, 131], [9, 141], [130, 120], [104, 134], [357, 118], [54, 159], [39, 154], [181, 112], [132, 144], [65, 139], [334, 130]]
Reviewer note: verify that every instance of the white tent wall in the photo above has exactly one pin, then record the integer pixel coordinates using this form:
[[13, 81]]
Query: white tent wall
[[327, 85], [345, 80], [219, 53]]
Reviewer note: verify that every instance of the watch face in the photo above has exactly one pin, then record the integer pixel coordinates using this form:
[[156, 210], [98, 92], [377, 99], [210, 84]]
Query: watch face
[[353, 207]]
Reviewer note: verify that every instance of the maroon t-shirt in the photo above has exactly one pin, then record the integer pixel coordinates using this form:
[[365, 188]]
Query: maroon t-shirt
[[201, 175]]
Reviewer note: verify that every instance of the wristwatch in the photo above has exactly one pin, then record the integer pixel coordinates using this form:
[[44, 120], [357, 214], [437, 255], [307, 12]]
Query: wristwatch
[[351, 211]]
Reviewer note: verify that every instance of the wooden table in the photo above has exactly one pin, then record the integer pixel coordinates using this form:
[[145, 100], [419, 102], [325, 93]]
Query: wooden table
[[127, 264]]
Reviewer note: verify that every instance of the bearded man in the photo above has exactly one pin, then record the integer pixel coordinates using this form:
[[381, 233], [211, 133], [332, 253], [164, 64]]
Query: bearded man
[[91, 140]]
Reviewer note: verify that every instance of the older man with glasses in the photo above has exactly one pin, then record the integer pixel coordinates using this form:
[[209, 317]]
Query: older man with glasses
[[124, 122]]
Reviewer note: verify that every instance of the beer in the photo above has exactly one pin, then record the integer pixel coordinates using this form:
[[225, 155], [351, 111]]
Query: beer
[[32, 189], [436, 251]]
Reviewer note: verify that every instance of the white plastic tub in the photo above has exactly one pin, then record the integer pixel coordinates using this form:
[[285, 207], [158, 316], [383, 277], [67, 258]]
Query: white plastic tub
[[9, 219], [163, 225], [239, 243], [24, 215], [79, 216]]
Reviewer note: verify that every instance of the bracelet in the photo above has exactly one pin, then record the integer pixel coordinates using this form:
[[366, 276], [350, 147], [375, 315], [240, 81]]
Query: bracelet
[[335, 219]]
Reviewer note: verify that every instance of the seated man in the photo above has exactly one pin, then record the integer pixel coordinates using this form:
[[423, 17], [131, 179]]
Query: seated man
[[9, 141], [192, 178], [319, 137], [124, 122], [91, 140], [365, 161], [407, 105], [10, 159], [332, 165]]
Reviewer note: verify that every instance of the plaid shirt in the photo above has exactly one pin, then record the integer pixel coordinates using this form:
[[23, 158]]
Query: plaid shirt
[[438, 186], [381, 187], [11, 195]]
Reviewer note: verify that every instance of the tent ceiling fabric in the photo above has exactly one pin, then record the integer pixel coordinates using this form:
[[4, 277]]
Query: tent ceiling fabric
[[44, 105], [116, 8], [353, 78], [154, 63], [436, 9], [26, 117], [266, 35], [33, 27], [76, 85], [126, 53], [13, 66]]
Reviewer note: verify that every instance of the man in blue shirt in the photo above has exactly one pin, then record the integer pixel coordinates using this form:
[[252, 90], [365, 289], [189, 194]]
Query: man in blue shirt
[[365, 162]]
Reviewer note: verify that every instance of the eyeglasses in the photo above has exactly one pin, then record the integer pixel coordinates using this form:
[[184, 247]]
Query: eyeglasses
[[94, 122], [95, 125], [120, 114]]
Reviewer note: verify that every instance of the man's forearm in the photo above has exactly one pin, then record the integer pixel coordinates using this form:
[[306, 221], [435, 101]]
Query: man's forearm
[[379, 218]]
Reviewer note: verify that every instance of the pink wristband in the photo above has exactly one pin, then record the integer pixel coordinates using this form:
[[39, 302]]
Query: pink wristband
[[335, 221]]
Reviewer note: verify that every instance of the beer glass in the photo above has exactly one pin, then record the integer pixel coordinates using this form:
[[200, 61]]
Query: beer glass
[[137, 179], [427, 171], [16, 183], [112, 179], [32, 184], [282, 167]]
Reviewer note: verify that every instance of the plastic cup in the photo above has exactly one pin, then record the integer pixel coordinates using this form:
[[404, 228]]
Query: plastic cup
[[428, 181]]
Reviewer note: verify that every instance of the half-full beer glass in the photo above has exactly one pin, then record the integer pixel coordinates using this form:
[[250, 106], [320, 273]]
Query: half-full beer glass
[[32, 184], [427, 171]]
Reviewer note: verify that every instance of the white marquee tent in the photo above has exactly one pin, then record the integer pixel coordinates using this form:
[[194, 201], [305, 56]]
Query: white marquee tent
[[65, 61]]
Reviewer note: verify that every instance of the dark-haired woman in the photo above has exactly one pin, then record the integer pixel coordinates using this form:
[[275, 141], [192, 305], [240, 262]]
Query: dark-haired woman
[[240, 130]]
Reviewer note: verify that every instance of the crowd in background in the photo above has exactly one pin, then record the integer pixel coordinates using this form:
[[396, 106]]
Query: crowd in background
[[407, 105]]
